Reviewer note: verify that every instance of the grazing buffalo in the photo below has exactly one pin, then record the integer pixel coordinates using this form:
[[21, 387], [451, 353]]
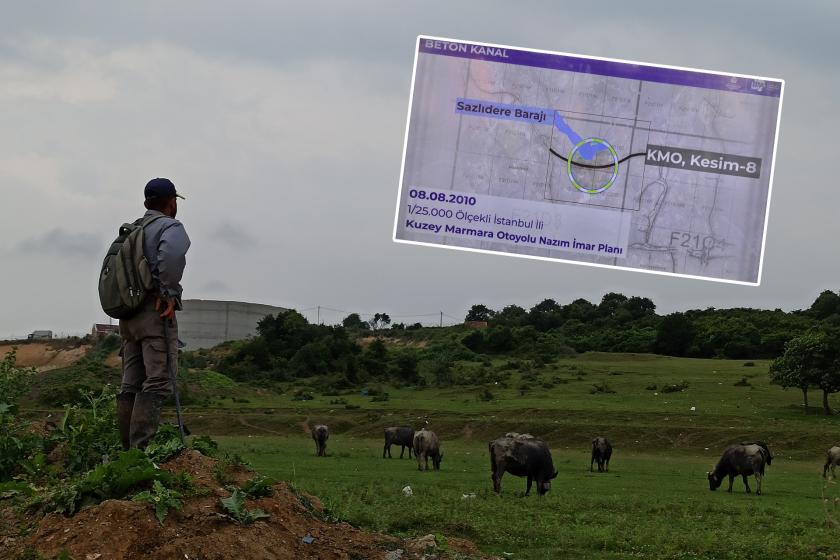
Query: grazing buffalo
[[402, 436], [601, 453], [522, 456], [426, 445], [320, 434], [832, 459], [763, 445], [744, 460]]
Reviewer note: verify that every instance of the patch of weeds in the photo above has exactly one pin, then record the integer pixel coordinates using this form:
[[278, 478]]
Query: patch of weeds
[[162, 500], [742, 383], [675, 387], [441, 542], [165, 445], [302, 396], [601, 388], [351, 406], [205, 445], [114, 480], [485, 395], [259, 486], [235, 510], [652, 387], [749, 364], [339, 401], [380, 398], [221, 474]]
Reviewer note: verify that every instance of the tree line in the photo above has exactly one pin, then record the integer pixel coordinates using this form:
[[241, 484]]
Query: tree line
[[288, 347]]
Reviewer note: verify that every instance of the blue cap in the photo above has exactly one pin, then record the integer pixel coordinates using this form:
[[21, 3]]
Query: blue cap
[[160, 188]]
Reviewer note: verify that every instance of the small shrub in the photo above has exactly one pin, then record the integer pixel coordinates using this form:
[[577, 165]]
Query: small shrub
[[652, 387], [235, 510], [675, 387], [485, 395], [742, 383], [166, 444], [351, 406], [161, 498], [749, 364], [259, 486], [302, 396], [601, 388], [205, 445]]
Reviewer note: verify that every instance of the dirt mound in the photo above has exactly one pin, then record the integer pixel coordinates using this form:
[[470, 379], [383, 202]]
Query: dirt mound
[[116, 529], [45, 355]]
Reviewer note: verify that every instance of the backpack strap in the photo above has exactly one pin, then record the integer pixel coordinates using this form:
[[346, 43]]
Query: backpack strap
[[146, 221]]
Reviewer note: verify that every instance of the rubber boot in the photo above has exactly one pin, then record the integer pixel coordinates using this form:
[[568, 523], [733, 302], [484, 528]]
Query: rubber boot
[[145, 418], [125, 405]]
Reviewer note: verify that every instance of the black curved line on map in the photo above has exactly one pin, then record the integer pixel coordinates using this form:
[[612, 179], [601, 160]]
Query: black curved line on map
[[590, 166]]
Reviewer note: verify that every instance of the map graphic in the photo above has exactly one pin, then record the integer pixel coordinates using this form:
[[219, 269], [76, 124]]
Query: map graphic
[[658, 169]]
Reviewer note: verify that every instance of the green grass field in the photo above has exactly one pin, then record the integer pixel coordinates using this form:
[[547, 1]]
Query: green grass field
[[647, 506], [655, 502]]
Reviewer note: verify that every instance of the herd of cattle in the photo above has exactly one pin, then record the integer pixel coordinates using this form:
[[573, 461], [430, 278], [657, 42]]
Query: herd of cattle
[[526, 456]]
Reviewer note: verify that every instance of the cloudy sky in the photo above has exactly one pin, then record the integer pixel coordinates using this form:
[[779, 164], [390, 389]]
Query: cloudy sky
[[283, 124]]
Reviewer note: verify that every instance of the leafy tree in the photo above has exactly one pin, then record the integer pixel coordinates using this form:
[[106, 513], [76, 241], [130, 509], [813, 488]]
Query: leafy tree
[[826, 304], [580, 309], [479, 312], [375, 358], [474, 341], [639, 307], [674, 335], [809, 360], [787, 370], [611, 303], [379, 320], [353, 321], [546, 315], [499, 339], [511, 315], [405, 367]]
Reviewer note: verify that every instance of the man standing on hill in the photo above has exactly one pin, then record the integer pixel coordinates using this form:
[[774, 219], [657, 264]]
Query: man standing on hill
[[150, 337]]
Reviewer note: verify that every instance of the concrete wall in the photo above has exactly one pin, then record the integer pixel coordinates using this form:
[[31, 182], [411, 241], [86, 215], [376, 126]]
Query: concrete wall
[[205, 323]]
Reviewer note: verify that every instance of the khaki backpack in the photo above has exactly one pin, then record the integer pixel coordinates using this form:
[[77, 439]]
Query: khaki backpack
[[126, 278]]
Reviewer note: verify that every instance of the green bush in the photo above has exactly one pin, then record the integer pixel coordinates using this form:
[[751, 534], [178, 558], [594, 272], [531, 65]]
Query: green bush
[[675, 387]]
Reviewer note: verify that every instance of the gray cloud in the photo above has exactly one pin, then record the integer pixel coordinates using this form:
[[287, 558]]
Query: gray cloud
[[233, 235], [60, 243]]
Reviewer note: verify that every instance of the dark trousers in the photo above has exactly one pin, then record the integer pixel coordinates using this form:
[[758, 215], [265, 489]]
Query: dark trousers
[[144, 352]]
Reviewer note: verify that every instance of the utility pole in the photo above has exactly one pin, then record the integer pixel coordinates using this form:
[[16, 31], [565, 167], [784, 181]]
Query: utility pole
[[318, 322], [441, 318]]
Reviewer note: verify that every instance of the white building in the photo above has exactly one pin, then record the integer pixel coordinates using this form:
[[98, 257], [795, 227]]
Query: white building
[[205, 323]]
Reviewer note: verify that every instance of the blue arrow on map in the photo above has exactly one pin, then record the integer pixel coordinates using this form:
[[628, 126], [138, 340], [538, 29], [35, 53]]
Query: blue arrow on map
[[587, 151]]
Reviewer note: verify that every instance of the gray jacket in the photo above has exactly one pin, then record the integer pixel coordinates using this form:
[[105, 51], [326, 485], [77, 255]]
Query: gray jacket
[[165, 247]]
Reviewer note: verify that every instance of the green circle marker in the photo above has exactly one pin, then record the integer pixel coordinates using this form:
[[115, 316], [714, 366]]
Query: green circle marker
[[577, 147]]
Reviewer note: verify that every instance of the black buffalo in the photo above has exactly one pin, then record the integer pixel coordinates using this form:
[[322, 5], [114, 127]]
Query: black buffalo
[[522, 456], [402, 436], [320, 434], [601, 453], [742, 459]]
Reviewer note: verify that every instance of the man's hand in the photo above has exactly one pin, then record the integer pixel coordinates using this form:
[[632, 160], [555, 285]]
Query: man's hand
[[169, 310]]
